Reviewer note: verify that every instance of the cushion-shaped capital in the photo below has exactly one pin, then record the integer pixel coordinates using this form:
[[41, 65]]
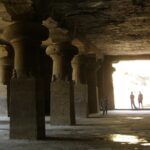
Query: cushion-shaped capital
[[27, 30], [63, 49]]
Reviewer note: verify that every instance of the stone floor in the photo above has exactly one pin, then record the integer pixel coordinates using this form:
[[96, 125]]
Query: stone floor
[[119, 130]]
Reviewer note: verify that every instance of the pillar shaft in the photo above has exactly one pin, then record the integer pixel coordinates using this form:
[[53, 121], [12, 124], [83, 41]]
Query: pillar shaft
[[5, 71], [78, 68], [57, 66], [107, 83], [91, 81], [26, 88], [75, 73], [62, 92], [6, 66], [62, 54], [27, 109], [25, 37], [80, 87]]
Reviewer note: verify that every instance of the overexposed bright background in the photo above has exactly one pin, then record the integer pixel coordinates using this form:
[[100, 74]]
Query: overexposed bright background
[[131, 76]]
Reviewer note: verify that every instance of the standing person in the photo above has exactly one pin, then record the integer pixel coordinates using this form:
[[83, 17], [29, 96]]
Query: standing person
[[140, 100], [104, 103], [132, 101]]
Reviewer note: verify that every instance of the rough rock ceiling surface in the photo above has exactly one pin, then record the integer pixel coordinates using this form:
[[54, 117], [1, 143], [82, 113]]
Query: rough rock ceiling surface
[[113, 27]]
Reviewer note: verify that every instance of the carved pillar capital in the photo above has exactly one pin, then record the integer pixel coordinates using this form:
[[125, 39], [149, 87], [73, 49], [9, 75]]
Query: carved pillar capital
[[62, 54], [27, 9], [25, 38], [6, 63], [54, 51]]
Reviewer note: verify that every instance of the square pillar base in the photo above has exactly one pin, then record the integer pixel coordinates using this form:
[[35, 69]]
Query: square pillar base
[[27, 119], [81, 100], [3, 100], [62, 103]]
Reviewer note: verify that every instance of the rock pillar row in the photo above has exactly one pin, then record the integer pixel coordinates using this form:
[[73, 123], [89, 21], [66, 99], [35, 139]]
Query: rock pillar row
[[91, 81], [6, 66], [80, 85], [46, 73], [99, 81], [26, 91], [62, 91], [107, 82]]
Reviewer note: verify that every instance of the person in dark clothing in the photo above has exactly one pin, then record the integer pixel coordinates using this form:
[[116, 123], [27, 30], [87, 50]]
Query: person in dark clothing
[[132, 101], [104, 105], [140, 100]]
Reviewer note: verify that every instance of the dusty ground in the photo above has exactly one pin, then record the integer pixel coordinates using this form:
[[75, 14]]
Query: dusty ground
[[119, 130]]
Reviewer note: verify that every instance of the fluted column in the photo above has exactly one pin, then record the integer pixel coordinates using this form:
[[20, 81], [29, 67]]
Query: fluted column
[[107, 82], [76, 69], [46, 73], [25, 38], [91, 81], [6, 66], [26, 87], [80, 85], [62, 93], [55, 53]]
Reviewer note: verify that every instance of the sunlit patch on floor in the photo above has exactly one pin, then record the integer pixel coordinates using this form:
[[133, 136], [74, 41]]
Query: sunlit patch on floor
[[135, 118], [127, 139], [145, 144]]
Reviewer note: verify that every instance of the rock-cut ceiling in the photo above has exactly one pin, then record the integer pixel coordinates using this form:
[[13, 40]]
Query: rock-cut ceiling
[[114, 27]]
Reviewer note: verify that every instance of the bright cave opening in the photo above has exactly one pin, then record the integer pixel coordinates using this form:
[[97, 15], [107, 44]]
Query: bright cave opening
[[133, 75]]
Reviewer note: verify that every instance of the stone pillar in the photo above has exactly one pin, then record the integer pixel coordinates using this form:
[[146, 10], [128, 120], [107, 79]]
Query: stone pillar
[[5, 70], [27, 104], [99, 67], [62, 93], [107, 88], [6, 66], [80, 86], [91, 80], [46, 74]]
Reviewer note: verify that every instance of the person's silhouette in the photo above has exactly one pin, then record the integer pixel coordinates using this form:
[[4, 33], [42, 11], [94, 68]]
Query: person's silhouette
[[140, 99], [132, 101]]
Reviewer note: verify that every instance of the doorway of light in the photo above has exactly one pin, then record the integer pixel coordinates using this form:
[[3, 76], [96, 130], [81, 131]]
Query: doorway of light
[[131, 75]]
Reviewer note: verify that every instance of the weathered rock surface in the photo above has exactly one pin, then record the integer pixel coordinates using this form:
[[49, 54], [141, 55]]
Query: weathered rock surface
[[113, 27]]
